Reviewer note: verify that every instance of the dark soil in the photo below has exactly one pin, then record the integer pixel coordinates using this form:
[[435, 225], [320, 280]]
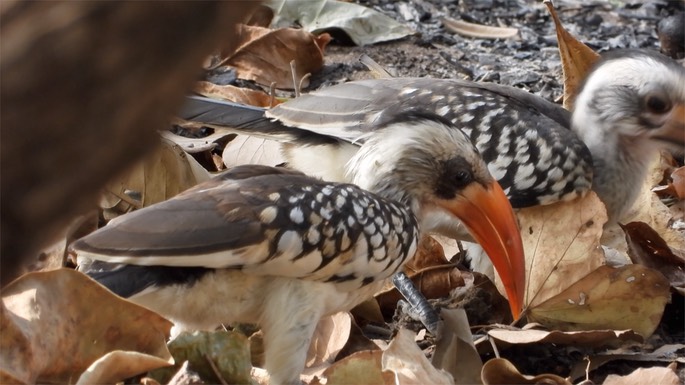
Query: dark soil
[[530, 61]]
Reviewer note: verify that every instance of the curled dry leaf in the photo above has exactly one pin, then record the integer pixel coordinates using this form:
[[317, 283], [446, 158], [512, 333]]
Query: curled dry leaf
[[561, 244], [641, 376], [630, 297], [500, 371], [363, 25], [210, 354], [429, 254], [410, 366], [46, 315], [647, 248], [330, 336], [359, 368], [235, 94], [465, 28], [592, 338], [576, 58], [264, 55], [455, 352], [197, 145], [678, 183]]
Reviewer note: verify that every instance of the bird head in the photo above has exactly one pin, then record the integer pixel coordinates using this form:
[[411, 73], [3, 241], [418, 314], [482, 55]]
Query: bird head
[[635, 100], [425, 162]]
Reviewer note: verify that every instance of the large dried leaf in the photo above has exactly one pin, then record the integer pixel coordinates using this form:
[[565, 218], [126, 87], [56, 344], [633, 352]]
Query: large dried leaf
[[46, 315], [561, 244], [235, 94], [404, 358], [359, 368], [592, 338], [500, 371], [465, 28], [162, 175], [641, 376], [363, 25], [576, 58], [630, 297], [264, 55], [455, 352], [245, 149]]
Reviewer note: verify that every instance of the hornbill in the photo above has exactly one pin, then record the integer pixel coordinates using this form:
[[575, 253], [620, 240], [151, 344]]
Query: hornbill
[[281, 249], [631, 105]]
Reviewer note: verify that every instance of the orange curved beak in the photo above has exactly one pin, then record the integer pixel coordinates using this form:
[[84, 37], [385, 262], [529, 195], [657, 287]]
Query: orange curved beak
[[487, 214]]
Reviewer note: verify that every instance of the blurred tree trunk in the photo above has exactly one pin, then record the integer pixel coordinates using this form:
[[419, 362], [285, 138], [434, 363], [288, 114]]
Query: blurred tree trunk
[[85, 85]]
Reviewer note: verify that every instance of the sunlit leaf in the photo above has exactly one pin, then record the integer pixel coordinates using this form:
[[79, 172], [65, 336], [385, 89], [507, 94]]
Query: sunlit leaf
[[630, 297]]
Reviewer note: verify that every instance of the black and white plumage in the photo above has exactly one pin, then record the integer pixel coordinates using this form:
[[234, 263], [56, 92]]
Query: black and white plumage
[[278, 248], [539, 152], [630, 107]]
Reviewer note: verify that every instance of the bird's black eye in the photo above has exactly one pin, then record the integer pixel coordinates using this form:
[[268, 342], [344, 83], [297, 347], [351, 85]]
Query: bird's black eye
[[463, 177], [657, 103]]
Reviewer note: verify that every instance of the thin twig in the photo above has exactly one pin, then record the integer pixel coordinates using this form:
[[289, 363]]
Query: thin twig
[[215, 370], [294, 73]]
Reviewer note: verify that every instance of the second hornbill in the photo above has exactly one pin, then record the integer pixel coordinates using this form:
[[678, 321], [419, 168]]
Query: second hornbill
[[630, 106]]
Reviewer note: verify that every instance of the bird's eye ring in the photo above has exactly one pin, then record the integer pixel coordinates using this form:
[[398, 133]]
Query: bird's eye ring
[[657, 103]]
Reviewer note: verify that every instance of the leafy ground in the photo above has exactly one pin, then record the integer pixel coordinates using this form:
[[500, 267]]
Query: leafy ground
[[632, 326]]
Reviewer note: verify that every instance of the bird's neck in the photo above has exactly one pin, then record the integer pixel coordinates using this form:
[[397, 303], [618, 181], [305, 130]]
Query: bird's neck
[[621, 164]]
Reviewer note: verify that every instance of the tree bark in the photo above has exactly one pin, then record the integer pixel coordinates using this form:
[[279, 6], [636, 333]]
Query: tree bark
[[85, 86]]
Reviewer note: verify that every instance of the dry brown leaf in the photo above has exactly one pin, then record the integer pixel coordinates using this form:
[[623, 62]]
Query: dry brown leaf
[[500, 371], [264, 55], [163, 174], [429, 254], [368, 310], [592, 338], [678, 177], [641, 376], [630, 297], [410, 366], [561, 244], [576, 58], [329, 338], [245, 149], [455, 352], [359, 368], [478, 30], [116, 366], [47, 315], [647, 248], [667, 353], [235, 94]]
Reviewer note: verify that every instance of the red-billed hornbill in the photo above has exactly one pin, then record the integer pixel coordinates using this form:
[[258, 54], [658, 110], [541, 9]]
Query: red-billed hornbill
[[281, 249], [631, 105]]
